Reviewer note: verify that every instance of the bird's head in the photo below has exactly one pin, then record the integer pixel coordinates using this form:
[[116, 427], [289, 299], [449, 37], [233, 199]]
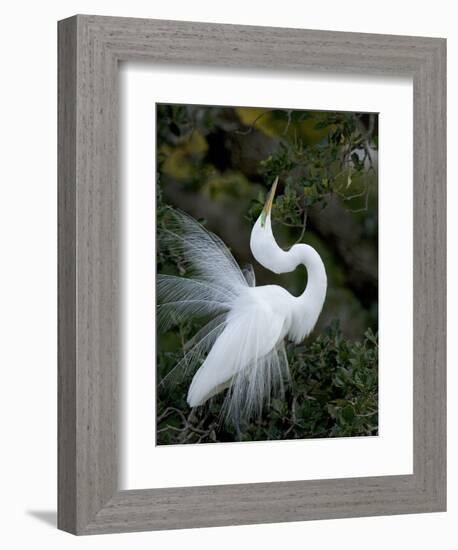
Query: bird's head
[[262, 242]]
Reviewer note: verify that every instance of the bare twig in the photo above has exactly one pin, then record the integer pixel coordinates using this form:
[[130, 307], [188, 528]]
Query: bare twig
[[252, 125], [288, 124], [304, 224]]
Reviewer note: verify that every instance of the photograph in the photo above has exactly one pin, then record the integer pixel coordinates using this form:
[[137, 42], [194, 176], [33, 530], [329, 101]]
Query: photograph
[[267, 274]]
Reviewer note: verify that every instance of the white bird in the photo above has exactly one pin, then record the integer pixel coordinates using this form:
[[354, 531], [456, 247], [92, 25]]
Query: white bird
[[242, 347]]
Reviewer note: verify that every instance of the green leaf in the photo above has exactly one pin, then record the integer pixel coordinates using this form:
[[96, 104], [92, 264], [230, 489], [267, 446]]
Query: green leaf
[[348, 413]]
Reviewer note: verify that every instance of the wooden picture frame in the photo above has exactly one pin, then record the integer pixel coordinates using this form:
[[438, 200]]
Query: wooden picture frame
[[90, 48]]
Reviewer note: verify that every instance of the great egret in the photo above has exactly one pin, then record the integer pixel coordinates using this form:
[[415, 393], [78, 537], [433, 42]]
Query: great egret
[[241, 348]]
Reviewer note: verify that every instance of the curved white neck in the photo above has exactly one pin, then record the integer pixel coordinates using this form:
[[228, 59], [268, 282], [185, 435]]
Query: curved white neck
[[307, 306]]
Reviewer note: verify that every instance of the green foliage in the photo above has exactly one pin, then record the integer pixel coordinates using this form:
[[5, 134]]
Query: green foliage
[[338, 163], [318, 155], [332, 393]]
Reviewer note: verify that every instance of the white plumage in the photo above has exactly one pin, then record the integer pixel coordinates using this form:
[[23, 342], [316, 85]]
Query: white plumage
[[241, 348]]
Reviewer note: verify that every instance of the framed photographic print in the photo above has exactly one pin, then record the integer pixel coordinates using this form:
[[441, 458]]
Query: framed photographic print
[[251, 275]]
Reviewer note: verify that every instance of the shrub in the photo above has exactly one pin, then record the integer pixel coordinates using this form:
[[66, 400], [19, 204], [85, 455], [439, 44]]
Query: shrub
[[332, 393]]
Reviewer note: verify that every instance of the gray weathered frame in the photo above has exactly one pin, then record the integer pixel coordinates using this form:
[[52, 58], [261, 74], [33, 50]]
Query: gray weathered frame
[[90, 48]]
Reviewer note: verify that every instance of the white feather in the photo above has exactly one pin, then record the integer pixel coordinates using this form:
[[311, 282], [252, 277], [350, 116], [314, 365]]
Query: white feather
[[253, 329]]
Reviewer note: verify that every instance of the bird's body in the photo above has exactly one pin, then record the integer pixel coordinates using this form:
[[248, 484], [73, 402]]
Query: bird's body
[[242, 348], [256, 323]]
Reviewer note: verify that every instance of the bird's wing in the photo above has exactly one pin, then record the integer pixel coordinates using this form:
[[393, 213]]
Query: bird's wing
[[248, 357], [180, 298], [196, 349], [203, 254], [212, 284]]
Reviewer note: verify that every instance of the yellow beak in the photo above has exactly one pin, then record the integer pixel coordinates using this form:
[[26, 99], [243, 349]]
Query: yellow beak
[[269, 202]]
